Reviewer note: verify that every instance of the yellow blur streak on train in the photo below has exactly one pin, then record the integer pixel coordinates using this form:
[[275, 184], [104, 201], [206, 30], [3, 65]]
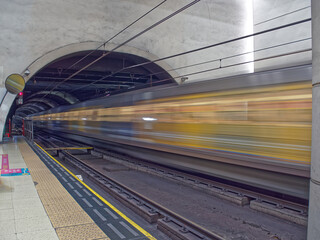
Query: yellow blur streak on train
[[272, 121]]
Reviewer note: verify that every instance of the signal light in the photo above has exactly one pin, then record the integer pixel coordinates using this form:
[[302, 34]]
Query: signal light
[[20, 93]]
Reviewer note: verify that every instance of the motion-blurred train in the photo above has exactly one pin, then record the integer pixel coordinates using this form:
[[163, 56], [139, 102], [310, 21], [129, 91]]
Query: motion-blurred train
[[254, 129]]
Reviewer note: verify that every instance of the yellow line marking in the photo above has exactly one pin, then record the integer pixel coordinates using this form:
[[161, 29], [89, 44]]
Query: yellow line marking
[[148, 235], [67, 148]]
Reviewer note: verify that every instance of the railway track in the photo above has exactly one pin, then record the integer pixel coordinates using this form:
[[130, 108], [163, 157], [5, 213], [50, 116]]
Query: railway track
[[169, 222], [173, 224]]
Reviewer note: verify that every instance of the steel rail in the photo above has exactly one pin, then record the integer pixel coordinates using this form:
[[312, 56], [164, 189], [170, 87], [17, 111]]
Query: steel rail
[[210, 183], [190, 226], [238, 190], [297, 207], [162, 210]]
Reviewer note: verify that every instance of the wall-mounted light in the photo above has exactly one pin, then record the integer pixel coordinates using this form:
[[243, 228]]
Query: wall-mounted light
[[183, 79], [27, 72]]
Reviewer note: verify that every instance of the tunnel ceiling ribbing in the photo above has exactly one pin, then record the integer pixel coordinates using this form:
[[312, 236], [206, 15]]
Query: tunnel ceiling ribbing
[[40, 86]]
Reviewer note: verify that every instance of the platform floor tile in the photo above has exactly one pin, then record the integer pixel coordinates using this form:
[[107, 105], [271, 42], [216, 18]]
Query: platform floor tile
[[5, 204], [29, 225], [27, 203], [29, 212], [48, 234], [7, 228], [6, 215]]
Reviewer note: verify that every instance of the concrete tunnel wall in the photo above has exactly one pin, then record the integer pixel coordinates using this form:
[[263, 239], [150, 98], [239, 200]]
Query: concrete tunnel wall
[[35, 32], [272, 13]]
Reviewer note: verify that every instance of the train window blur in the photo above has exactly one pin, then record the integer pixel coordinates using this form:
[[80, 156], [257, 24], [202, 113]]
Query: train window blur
[[272, 121]]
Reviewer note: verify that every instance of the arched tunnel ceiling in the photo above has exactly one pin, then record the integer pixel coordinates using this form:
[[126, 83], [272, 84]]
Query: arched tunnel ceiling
[[50, 87], [79, 86]]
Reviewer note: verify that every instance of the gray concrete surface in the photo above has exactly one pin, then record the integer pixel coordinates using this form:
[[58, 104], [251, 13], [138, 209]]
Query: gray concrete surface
[[272, 13], [314, 202]]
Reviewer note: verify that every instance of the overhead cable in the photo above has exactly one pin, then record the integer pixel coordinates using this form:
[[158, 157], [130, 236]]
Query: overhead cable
[[114, 36], [127, 41], [228, 57], [198, 49], [103, 44]]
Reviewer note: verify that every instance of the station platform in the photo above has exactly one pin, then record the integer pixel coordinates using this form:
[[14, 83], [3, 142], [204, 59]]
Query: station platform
[[35, 203]]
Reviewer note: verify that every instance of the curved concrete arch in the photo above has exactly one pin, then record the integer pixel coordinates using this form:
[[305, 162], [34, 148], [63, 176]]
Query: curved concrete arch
[[50, 103], [32, 106], [30, 110], [40, 105], [34, 109], [51, 56], [21, 114], [18, 117], [62, 51], [66, 96]]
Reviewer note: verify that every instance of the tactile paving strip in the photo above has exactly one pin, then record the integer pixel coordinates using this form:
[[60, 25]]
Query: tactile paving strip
[[53, 209], [58, 202], [87, 231], [69, 219], [45, 192], [57, 199]]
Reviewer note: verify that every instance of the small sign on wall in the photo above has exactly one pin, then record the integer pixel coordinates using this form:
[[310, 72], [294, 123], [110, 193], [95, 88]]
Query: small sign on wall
[[19, 101]]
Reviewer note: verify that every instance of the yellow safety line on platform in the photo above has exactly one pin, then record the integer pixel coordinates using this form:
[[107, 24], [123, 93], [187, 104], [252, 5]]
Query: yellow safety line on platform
[[148, 235], [67, 148]]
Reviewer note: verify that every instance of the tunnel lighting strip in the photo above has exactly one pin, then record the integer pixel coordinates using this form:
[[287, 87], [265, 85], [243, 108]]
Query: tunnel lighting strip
[[127, 41], [198, 49]]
